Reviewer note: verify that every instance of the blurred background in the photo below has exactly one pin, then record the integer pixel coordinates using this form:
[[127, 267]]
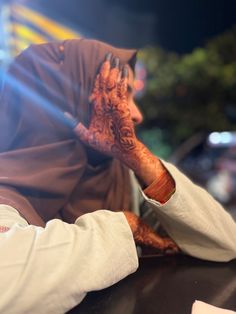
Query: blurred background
[[185, 74]]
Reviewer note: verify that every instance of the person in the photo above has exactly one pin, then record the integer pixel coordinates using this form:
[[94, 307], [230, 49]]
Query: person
[[73, 175]]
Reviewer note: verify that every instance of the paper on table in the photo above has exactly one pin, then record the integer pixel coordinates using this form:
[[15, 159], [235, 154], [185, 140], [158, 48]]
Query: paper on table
[[200, 307]]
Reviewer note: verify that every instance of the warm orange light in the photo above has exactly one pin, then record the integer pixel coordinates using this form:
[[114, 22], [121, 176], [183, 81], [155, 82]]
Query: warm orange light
[[138, 85]]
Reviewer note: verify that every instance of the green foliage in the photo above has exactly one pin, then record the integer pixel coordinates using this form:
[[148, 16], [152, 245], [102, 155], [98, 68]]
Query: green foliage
[[155, 139], [190, 93]]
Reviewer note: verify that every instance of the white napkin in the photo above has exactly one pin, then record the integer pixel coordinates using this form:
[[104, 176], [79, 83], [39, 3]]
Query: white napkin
[[200, 307]]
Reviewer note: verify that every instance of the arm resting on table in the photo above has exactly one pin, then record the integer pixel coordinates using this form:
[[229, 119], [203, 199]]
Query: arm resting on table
[[50, 270], [196, 221]]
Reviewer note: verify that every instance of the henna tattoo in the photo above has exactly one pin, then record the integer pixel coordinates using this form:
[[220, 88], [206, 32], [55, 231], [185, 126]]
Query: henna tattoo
[[145, 236], [113, 77], [111, 130]]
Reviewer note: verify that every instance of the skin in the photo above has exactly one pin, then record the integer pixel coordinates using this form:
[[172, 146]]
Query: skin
[[147, 237], [112, 133], [3, 229], [111, 130]]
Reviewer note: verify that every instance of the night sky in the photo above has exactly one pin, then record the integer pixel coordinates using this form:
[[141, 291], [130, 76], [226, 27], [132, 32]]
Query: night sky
[[183, 25], [175, 25]]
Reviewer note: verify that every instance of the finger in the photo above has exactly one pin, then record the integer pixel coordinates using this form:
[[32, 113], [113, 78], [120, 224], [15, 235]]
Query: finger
[[169, 246], [69, 120], [82, 133], [105, 71], [114, 75], [93, 139], [123, 84], [96, 89], [171, 251], [101, 78], [85, 135], [174, 248]]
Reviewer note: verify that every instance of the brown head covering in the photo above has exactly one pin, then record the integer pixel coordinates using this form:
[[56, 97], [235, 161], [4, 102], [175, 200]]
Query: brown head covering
[[44, 170]]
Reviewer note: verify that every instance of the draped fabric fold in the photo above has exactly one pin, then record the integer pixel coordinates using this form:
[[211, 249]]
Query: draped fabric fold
[[44, 169]]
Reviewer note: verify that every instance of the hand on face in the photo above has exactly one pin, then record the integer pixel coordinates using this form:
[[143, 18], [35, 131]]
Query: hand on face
[[111, 129]]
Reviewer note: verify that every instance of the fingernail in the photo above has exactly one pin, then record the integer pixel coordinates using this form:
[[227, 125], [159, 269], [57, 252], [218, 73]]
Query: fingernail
[[108, 56], [116, 63], [70, 121], [125, 71], [169, 252]]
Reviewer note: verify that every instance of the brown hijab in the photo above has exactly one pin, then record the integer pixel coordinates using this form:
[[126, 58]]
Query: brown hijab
[[44, 169]]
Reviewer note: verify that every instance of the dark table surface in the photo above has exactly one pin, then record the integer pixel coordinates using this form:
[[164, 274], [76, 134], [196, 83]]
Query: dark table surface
[[166, 285]]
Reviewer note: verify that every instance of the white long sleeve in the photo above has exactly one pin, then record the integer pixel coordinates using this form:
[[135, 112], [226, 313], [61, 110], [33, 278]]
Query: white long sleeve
[[196, 221], [50, 270]]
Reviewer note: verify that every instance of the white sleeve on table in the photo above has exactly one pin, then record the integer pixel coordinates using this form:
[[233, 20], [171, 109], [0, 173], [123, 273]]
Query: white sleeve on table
[[50, 270], [196, 221]]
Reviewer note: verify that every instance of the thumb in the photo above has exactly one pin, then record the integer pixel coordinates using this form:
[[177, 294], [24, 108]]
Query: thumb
[[78, 128], [83, 133]]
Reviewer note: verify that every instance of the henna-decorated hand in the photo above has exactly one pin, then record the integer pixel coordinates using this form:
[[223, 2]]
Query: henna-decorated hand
[[145, 236], [111, 129]]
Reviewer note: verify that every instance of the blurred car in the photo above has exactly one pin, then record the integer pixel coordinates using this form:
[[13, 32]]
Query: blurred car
[[210, 161]]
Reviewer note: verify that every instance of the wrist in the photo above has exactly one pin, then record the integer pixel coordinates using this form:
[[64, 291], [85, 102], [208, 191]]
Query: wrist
[[162, 188], [145, 165]]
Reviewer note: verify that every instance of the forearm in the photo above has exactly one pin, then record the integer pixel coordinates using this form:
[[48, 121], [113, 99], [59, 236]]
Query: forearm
[[144, 164], [152, 174], [50, 270]]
